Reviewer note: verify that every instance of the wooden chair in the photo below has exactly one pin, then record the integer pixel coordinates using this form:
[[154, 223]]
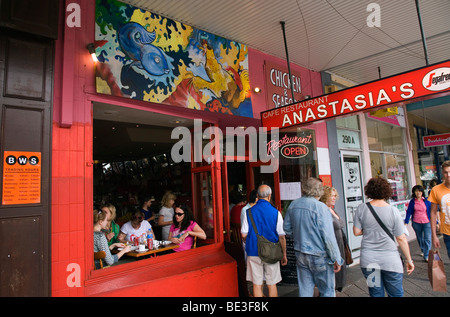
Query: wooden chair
[[194, 245], [100, 255], [236, 233]]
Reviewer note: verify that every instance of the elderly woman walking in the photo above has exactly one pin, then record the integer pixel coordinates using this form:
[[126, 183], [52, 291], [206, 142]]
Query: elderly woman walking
[[380, 260]]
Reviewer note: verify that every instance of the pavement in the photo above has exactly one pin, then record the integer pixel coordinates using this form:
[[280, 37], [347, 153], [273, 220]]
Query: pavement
[[415, 285]]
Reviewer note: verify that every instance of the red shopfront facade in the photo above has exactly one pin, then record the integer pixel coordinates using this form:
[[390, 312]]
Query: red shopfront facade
[[68, 173]]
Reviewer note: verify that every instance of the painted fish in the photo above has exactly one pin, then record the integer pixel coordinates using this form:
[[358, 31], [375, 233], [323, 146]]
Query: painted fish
[[135, 41]]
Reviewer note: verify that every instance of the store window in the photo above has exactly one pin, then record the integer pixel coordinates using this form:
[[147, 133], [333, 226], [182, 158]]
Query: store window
[[388, 157], [298, 162], [430, 158]]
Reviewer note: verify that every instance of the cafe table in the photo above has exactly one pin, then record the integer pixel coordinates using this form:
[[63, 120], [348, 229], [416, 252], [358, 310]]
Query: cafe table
[[137, 254]]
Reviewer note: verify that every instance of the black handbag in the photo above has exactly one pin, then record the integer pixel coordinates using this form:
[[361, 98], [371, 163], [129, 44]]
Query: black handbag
[[269, 252]]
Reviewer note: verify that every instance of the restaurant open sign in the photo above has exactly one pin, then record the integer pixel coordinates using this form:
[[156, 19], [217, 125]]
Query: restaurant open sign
[[407, 86]]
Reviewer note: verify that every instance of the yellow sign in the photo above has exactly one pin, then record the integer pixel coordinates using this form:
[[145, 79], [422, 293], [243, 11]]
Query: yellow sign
[[384, 112], [21, 178]]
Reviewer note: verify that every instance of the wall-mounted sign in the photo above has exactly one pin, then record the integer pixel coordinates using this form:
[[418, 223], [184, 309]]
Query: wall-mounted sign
[[21, 178], [348, 139], [436, 140], [278, 85], [399, 88]]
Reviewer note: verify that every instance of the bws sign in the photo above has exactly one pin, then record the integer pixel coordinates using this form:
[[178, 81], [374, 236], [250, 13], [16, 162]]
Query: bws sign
[[399, 88]]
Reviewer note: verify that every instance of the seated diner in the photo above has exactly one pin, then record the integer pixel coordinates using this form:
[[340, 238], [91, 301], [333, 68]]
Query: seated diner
[[101, 243], [184, 228], [134, 228]]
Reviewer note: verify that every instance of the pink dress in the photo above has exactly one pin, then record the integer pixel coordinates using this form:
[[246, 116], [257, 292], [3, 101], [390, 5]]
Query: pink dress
[[188, 242]]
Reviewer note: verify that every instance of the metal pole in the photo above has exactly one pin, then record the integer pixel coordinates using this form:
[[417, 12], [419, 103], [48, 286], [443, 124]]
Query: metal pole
[[287, 58], [424, 43], [425, 50]]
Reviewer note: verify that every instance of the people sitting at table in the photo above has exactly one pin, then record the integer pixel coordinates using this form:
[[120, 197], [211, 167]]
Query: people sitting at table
[[112, 229], [166, 213], [145, 208], [184, 228], [134, 228], [100, 242]]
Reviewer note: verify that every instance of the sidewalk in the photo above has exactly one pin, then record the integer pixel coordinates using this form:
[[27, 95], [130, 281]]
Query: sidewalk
[[414, 285]]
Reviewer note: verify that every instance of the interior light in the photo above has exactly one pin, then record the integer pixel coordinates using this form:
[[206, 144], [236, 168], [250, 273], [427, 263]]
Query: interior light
[[257, 89]]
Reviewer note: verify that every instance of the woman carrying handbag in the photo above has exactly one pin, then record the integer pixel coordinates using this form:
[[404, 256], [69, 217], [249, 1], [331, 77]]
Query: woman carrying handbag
[[378, 223]]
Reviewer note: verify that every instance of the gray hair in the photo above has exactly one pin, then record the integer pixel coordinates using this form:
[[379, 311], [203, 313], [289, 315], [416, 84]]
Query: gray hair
[[312, 187], [264, 191]]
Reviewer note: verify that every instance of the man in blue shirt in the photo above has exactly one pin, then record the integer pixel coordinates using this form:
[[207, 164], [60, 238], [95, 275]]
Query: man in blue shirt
[[309, 222], [269, 223]]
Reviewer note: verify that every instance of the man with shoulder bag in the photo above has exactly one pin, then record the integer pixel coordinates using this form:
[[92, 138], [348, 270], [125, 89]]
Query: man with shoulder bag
[[262, 230]]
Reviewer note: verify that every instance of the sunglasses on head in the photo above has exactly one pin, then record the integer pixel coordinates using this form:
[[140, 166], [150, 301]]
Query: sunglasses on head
[[179, 214]]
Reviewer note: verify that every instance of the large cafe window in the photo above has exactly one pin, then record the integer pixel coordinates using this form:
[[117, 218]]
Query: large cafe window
[[133, 162], [388, 157]]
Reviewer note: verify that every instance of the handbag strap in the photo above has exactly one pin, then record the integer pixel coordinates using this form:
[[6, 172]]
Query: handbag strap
[[253, 222], [379, 221]]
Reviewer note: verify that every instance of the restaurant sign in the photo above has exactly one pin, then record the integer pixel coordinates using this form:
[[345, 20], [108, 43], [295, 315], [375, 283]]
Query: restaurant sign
[[436, 140], [398, 88], [278, 85], [293, 145]]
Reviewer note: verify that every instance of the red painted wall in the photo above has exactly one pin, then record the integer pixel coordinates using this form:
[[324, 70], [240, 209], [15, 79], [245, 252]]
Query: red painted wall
[[208, 271]]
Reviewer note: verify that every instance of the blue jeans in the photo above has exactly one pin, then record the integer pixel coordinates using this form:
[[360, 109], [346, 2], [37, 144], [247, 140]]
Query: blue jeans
[[423, 234], [379, 280], [314, 271], [447, 243]]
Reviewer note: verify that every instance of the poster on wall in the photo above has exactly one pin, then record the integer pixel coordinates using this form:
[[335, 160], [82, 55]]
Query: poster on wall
[[21, 178], [145, 56]]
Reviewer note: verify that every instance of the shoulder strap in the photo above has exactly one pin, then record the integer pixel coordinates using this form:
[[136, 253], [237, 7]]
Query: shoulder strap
[[379, 221], [251, 219]]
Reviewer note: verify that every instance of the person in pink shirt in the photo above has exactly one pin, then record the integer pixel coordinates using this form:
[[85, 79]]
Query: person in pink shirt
[[419, 209], [184, 228]]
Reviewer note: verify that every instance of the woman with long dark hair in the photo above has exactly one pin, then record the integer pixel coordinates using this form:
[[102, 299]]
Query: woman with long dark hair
[[419, 210], [184, 228]]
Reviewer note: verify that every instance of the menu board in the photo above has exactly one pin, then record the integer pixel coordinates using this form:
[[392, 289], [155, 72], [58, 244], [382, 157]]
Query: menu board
[[21, 178], [289, 271]]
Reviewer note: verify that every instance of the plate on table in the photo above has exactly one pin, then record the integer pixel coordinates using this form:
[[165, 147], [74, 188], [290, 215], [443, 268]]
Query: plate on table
[[133, 247], [145, 250]]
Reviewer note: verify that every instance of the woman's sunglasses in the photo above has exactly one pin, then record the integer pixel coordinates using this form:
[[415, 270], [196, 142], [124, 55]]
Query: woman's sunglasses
[[137, 218], [179, 214]]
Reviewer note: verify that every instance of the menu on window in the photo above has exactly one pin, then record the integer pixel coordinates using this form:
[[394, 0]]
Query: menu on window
[[21, 178]]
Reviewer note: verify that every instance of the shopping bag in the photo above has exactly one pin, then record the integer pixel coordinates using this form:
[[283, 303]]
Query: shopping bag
[[436, 272]]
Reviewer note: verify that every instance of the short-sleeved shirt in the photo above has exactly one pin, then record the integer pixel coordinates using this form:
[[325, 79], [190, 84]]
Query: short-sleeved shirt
[[377, 248], [187, 243], [440, 195], [128, 229], [167, 214]]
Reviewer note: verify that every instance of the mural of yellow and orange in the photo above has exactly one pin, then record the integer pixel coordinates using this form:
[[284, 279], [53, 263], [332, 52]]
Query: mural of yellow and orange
[[148, 57]]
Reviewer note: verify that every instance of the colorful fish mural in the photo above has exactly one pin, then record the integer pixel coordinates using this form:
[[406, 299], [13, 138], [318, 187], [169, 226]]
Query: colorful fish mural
[[148, 57]]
